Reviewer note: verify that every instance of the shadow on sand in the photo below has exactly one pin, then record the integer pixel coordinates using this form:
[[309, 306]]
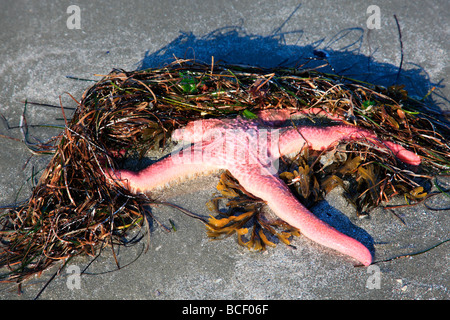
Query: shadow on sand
[[341, 54]]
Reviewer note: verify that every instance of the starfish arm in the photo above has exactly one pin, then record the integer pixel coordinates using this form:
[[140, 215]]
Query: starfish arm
[[320, 138], [159, 174], [279, 116], [286, 207]]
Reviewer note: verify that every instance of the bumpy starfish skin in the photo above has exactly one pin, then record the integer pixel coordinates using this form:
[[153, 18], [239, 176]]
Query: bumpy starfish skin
[[250, 153]]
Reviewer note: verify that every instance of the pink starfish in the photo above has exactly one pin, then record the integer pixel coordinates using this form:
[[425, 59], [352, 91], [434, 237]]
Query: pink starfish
[[249, 150]]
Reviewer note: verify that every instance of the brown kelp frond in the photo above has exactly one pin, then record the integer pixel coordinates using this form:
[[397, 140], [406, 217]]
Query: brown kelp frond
[[368, 176], [245, 218], [125, 114]]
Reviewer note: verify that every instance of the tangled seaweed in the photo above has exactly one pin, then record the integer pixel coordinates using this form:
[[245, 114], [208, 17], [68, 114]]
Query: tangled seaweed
[[244, 212], [73, 211]]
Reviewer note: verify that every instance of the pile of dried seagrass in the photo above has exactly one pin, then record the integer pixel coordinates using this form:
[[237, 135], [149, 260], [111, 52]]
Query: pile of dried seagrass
[[73, 210]]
